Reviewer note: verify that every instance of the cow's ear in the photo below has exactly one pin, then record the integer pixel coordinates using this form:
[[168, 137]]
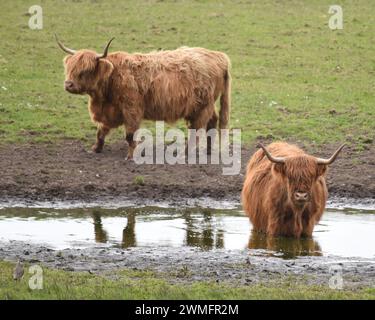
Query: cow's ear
[[321, 170], [66, 59], [105, 68], [279, 168]]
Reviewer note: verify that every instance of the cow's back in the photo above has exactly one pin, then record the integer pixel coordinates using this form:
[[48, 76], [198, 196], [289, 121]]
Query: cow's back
[[174, 82]]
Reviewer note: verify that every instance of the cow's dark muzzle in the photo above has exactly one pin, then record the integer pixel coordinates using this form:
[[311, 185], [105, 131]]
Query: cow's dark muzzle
[[69, 86]]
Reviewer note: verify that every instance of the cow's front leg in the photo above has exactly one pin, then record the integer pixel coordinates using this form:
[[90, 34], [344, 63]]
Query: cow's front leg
[[131, 128], [100, 138], [308, 224], [131, 143], [133, 115]]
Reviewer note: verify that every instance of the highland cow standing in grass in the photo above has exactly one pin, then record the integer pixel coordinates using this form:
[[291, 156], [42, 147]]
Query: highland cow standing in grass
[[164, 85], [285, 192]]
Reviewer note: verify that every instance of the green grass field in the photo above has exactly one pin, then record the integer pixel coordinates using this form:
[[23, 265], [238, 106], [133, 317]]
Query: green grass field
[[128, 284], [293, 77]]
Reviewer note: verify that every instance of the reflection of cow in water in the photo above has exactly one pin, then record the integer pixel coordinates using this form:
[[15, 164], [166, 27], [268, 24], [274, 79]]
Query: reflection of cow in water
[[198, 234], [128, 234], [289, 247], [101, 235], [203, 236]]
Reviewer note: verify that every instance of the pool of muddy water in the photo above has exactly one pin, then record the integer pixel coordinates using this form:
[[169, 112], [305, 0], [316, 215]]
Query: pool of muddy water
[[345, 233]]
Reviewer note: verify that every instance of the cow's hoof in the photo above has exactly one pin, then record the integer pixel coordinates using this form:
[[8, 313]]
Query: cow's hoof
[[129, 158], [97, 149]]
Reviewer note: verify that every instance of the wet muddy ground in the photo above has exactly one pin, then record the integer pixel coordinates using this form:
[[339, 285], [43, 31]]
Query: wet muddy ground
[[189, 264], [69, 171], [189, 244]]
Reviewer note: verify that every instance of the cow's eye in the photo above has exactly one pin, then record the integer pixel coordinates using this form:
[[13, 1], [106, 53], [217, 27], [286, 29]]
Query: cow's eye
[[83, 74]]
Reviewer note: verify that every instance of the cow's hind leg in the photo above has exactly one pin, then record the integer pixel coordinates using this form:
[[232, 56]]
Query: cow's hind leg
[[101, 132], [200, 121], [212, 124]]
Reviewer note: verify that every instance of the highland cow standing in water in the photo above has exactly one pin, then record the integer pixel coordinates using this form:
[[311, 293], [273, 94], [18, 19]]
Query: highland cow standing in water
[[285, 192], [126, 88]]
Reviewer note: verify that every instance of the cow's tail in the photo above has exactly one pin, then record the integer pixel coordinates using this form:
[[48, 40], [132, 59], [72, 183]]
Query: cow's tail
[[225, 101]]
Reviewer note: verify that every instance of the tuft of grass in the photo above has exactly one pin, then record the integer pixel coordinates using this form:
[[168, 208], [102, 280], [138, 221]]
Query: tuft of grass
[[293, 77], [128, 284], [139, 180]]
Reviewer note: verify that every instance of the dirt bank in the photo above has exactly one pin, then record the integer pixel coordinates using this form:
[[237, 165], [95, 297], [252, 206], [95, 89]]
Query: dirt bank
[[69, 171], [189, 265]]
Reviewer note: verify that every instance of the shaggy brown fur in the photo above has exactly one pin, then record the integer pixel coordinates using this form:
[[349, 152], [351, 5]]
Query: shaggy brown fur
[[269, 188], [165, 85]]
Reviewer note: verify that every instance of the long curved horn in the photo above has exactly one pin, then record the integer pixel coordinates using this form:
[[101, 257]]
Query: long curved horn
[[63, 48], [270, 156], [332, 158], [105, 53]]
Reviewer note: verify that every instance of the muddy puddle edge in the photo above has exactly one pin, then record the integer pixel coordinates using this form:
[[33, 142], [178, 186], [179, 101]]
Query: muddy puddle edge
[[204, 202]]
